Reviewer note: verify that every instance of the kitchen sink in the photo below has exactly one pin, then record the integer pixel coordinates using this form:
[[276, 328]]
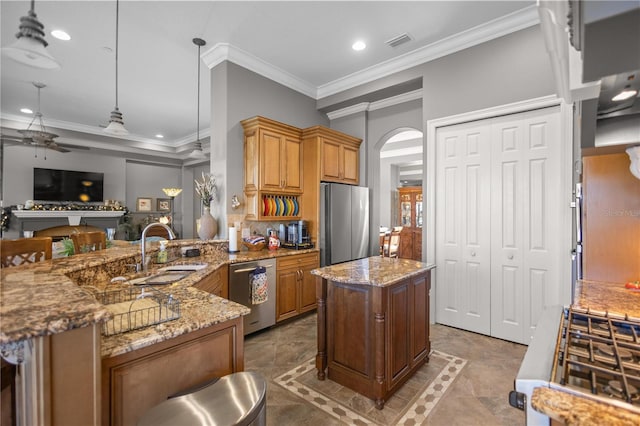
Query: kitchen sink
[[189, 267]]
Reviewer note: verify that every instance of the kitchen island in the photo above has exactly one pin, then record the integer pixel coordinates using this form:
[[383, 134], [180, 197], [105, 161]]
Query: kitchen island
[[90, 378], [373, 324]]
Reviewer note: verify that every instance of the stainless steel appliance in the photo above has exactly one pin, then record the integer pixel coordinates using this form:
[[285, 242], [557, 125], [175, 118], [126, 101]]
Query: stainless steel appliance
[[264, 314], [344, 223], [591, 354]]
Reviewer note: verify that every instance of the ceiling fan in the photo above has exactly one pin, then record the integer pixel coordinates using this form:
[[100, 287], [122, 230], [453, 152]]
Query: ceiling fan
[[38, 138]]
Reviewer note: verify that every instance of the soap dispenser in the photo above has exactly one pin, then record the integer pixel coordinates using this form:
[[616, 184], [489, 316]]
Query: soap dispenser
[[162, 254]]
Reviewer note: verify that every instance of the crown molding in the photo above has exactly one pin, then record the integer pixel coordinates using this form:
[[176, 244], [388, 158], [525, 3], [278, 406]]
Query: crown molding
[[396, 100], [221, 52], [353, 109], [372, 106], [498, 27]]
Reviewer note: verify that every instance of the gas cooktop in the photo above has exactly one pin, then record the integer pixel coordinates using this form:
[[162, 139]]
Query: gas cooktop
[[599, 353]]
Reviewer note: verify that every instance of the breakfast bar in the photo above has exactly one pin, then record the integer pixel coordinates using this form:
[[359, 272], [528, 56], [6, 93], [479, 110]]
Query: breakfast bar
[[373, 323]]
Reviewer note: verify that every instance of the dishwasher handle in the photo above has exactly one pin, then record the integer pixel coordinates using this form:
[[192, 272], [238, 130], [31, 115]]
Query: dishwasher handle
[[237, 271]]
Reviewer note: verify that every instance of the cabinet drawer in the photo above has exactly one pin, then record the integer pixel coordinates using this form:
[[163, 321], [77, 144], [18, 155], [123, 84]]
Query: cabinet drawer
[[298, 261]]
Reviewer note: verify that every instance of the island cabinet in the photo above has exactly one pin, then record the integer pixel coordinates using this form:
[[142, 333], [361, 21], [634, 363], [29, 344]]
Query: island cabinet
[[337, 154], [134, 382], [373, 338], [216, 282], [296, 286], [272, 165]]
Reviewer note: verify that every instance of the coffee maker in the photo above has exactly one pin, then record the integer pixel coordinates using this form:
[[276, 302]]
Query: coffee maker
[[297, 235]]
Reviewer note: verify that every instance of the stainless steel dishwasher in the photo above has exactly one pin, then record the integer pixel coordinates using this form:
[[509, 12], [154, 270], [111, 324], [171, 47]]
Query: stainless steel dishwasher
[[264, 314]]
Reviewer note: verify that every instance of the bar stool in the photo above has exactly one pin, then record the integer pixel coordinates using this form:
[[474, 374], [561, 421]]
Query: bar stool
[[24, 250], [15, 253], [236, 399]]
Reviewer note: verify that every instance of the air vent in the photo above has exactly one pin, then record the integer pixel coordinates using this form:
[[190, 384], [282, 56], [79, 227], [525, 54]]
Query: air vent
[[398, 40]]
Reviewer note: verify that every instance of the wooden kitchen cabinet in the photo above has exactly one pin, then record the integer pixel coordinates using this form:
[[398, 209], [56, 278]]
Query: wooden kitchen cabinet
[[336, 152], [216, 282], [296, 286], [272, 163], [134, 382], [411, 218]]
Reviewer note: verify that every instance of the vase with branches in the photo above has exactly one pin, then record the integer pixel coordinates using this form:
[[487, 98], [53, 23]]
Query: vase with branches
[[207, 191]]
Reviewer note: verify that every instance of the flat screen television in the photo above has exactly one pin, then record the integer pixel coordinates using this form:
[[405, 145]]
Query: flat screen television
[[67, 185]]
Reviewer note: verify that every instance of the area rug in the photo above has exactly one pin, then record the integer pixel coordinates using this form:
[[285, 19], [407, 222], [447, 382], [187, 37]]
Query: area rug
[[410, 405]]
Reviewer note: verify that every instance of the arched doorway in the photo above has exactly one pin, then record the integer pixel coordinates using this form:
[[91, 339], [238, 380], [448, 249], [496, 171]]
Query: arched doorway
[[400, 176]]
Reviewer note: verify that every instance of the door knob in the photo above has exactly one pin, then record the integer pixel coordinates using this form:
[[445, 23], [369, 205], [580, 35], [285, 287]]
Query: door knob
[[473, 254], [510, 257]]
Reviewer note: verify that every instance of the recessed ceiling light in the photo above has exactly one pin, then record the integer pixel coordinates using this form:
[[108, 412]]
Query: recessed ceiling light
[[159, 136], [61, 35], [26, 111], [358, 45]]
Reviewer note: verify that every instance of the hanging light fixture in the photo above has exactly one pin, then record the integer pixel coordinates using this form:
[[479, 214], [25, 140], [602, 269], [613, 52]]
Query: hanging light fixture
[[40, 136], [197, 150], [116, 124], [30, 47]]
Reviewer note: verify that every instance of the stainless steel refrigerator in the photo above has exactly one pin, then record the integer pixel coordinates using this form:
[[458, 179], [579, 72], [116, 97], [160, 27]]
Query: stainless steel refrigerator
[[344, 223]]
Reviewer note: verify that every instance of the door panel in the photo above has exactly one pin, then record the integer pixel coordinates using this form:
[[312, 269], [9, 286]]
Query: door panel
[[463, 184]]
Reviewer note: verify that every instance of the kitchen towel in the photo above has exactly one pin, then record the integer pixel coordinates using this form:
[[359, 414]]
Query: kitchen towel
[[259, 285]]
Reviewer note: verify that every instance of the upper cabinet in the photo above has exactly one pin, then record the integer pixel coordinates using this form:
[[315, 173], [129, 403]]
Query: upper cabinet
[[272, 169], [337, 153], [273, 156]]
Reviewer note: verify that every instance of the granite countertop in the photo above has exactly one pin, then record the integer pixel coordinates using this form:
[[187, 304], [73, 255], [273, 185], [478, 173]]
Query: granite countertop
[[560, 403], [576, 410], [375, 271], [57, 295], [607, 297]]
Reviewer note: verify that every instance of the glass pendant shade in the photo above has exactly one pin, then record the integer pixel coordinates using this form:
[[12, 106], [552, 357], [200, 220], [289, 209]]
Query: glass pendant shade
[[29, 49], [30, 52], [172, 192], [116, 124], [197, 152]]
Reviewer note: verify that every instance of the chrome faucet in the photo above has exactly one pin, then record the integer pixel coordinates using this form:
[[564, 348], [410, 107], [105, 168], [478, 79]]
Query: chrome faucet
[[143, 239]]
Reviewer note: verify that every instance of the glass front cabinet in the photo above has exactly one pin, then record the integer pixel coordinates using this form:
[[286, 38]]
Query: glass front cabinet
[[411, 219]]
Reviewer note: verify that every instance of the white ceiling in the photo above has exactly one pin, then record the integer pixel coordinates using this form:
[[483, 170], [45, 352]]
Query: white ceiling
[[307, 45]]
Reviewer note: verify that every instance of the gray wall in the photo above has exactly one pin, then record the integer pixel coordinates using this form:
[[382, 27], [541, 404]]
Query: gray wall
[[242, 94], [124, 180], [512, 68]]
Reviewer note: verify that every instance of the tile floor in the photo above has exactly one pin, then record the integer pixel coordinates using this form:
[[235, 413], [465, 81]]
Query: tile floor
[[478, 395]]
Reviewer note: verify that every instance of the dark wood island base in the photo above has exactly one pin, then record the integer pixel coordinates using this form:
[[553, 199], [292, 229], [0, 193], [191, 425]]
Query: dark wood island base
[[373, 324]]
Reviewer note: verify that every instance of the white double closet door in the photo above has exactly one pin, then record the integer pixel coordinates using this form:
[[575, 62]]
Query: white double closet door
[[498, 209]]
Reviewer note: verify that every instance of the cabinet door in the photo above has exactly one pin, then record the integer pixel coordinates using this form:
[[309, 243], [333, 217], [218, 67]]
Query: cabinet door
[[350, 171], [307, 288], [270, 161], [399, 324], [287, 300], [420, 318], [292, 167], [330, 161]]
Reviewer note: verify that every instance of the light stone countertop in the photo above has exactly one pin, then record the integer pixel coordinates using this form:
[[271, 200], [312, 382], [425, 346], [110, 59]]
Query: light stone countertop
[[57, 295], [374, 271]]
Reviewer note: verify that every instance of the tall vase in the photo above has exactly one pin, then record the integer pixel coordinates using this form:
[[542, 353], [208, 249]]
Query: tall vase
[[208, 225]]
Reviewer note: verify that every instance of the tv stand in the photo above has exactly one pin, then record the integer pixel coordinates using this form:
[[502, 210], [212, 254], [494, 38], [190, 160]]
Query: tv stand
[[37, 220]]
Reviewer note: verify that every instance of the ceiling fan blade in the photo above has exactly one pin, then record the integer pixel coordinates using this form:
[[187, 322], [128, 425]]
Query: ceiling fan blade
[[56, 147]]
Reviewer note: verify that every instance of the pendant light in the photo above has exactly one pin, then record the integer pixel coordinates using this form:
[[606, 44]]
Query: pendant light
[[116, 124], [32, 132], [197, 150], [30, 47]]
